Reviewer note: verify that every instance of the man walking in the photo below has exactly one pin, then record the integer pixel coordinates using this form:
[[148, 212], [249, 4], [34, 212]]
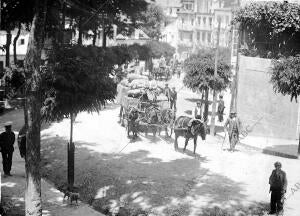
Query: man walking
[[233, 127], [278, 185], [167, 91], [173, 98], [221, 108], [7, 140]]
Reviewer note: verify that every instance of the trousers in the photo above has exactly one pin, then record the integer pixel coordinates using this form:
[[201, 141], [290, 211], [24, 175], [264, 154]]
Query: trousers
[[7, 161], [276, 200]]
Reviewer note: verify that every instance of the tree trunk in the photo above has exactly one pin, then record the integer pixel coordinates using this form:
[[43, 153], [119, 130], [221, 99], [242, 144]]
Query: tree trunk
[[33, 204], [80, 33], [104, 39], [7, 50], [94, 37], [15, 43], [71, 157], [206, 105]]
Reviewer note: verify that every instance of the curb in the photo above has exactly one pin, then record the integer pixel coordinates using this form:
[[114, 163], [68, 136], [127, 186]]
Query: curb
[[265, 151]]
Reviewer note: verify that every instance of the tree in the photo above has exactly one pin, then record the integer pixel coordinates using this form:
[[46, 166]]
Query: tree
[[152, 20], [200, 73], [95, 14], [15, 13], [285, 78], [270, 28], [78, 79], [32, 64]]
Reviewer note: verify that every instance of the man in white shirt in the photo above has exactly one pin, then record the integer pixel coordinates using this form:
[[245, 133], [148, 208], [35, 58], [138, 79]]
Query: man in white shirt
[[197, 112]]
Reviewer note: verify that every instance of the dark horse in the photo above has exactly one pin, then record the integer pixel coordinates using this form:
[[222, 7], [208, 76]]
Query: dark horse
[[188, 128]]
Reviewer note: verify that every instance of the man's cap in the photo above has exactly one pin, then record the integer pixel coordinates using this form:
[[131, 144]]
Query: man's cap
[[7, 124], [276, 164], [221, 96], [198, 102]]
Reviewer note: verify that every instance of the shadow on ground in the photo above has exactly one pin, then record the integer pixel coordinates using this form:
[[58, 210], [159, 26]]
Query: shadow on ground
[[287, 151], [138, 181]]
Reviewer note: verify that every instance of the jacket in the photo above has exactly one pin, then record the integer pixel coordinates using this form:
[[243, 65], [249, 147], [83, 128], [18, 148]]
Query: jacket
[[229, 125], [7, 140], [278, 182]]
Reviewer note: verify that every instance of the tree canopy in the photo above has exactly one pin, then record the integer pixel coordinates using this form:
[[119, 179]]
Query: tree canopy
[[157, 49], [152, 20], [80, 79], [272, 27], [199, 70], [285, 76]]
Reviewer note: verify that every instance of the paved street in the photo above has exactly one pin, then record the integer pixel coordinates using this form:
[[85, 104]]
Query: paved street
[[149, 174]]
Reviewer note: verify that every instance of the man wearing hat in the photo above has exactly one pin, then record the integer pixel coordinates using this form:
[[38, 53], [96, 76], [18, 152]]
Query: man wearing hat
[[278, 185], [233, 127], [7, 140], [221, 108]]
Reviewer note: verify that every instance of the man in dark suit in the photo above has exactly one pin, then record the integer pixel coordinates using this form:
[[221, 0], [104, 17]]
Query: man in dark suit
[[7, 140], [173, 98], [221, 108], [233, 127], [278, 185]]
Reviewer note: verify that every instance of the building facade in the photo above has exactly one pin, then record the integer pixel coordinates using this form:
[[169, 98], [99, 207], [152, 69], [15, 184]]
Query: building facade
[[196, 24]]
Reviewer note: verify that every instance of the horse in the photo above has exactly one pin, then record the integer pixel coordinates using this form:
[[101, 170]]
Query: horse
[[189, 128], [167, 119], [132, 121]]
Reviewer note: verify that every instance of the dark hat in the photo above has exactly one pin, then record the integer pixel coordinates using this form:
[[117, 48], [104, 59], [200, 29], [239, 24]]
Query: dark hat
[[198, 102]]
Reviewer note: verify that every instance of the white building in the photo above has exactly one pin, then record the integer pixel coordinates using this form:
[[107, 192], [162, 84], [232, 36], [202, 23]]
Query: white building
[[21, 46]]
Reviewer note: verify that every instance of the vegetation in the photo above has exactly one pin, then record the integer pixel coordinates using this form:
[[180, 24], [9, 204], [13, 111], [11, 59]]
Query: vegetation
[[152, 20], [285, 76], [272, 28], [199, 70]]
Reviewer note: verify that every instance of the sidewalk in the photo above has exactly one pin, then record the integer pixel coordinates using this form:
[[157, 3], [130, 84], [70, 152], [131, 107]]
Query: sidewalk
[[12, 192], [278, 147]]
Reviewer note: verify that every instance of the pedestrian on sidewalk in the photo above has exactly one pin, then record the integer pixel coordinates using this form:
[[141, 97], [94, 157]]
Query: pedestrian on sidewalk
[[278, 185], [221, 108], [233, 127], [173, 98], [7, 140]]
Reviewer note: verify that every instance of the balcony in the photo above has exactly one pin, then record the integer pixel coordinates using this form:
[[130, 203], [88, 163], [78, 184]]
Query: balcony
[[185, 27]]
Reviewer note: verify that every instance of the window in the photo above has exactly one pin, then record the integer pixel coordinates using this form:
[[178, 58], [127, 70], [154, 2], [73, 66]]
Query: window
[[191, 37], [188, 6], [203, 37], [192, 21], [182, 20], [210, 21], [204, 20], [209, 37], [181, 36], [227, 20], [199, 20], [198, 36], [21, 41]]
